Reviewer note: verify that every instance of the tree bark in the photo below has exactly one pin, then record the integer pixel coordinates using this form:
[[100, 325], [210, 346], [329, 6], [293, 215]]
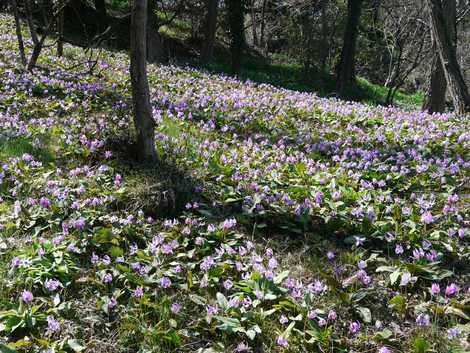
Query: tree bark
[[143, 120], [435, 99], [263, 25], [60, 29], [29, 18], [236, 16], [154, 40], [324, 37], [36, 52], [210, 30], [345, 71], [254, 23], [444, 42], [19, 35]]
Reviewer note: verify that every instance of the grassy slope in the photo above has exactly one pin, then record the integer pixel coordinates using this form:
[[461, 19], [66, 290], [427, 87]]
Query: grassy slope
[[298, 247]]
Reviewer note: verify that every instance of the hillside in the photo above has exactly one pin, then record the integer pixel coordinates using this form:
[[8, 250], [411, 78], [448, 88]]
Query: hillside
[[275, 221]]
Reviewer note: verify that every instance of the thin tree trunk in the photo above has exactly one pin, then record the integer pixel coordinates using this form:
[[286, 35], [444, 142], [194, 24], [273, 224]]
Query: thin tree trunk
[[60, 29], [457, 87], [210, 30], [36, 52], [324, 36], [29, 18], [263, 25], [235, 10], [345, 72], [154, 40], [435, 99], [143, 121], [254, 23], [19, 35]]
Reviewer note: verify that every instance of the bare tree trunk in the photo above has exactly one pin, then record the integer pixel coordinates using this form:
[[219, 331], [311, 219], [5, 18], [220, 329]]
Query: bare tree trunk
[[19, 35], [254, 23], [60, 29], [435, 99], [236, 16], [447, 53], [345, 71], [324, 36], [29, 18], [36, 52], [143, 121], [262, 36], [210, 30], [154, 39]]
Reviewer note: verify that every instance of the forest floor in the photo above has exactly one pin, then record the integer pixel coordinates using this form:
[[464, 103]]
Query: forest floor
[[275, 221]]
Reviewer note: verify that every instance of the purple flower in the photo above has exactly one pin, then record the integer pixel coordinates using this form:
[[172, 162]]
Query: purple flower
[[399, 249], [272, 263], [107, 278], [229, 223], [112, 303], [283, 319], [139, 292], [330, 255], [165, 282], [452, 290], [435, 289], [354, 327], [27, 296], [207, 263], [242, 347], [234, 302], [78, 224], [454, 332], [52, 324], [405, 279], [228, 284], [44, 202], [52, 284], [312, 315], [384, 350], [362, 265], [427, 217], [212, 310], [423, 320], [282, 342], [332, 316], [175, 308], [461, 233]]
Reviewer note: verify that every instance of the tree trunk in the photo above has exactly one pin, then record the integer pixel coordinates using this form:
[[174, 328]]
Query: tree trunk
[[29, 18], [435, 99], [324, 37], [60, 29], [19, 35], [154, 39], [235, 11], [143, 121], [263, 25], [345, 71], [254, 23], [36, 52], [447, 53], [210, 30]]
